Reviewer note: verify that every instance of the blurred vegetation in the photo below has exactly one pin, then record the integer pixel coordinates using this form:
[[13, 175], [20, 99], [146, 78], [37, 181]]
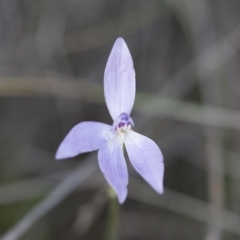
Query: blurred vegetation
[[52, 58]]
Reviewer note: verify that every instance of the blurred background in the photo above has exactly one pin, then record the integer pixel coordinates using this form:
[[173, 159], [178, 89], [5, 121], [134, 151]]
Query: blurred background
[[52, 59]]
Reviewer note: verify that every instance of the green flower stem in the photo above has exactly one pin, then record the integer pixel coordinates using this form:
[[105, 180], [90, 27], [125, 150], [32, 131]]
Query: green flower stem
[[112, 222]]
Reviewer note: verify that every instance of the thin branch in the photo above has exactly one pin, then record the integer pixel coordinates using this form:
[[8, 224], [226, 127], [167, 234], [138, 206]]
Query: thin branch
[[82, 173], [197, 18], [90, 212], [23, 190], [184, 205], [226, 48], [36, 187], [33, 188], [128, 23], [145, 103]]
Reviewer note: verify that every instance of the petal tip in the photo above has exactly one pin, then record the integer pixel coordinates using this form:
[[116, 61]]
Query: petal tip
[[120, 44], [122, 198], [158, 186], [57, 157], [60, 154], [160, 190], [65, 150], [120, 40]]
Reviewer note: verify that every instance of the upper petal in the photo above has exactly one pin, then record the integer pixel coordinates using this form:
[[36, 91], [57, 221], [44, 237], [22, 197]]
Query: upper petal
[[146, 158], [114, 168], [119, 80], [84, 137]]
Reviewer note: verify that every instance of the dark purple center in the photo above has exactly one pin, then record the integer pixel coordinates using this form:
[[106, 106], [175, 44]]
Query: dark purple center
[[124, 116], [121, 124]]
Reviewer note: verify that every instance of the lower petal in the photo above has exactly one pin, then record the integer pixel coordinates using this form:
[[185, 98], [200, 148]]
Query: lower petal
[[84, 137], [146, 158], [113, 165]]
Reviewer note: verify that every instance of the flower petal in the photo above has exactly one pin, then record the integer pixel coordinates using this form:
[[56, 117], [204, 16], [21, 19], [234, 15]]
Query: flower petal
[[84, 137], [113, 165], [146, 158], [119, 80]]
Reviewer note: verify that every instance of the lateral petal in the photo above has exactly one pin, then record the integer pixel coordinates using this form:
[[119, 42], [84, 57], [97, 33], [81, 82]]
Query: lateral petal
[[113, 165], [146, 158], [84, 137], [119, 80]]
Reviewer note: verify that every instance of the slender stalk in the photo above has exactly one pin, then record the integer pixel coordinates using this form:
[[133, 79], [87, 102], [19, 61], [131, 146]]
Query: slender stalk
[[112, 222]]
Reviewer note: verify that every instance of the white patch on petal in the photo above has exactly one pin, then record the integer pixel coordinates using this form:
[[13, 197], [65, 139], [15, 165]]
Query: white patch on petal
[[108, 135]]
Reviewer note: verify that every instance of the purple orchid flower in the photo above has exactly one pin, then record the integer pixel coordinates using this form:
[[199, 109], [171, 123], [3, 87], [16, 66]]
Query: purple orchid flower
[[144, 154]]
